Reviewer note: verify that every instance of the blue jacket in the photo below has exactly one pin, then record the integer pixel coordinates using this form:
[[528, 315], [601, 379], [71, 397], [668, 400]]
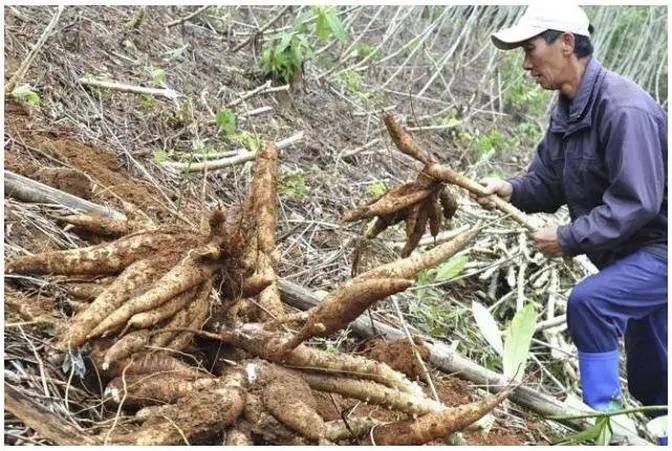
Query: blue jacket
[[605, 156]]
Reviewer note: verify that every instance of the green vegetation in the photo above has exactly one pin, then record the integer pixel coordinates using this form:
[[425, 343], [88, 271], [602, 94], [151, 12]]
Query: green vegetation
[[25, 92], [248, 140], [283, 56], [523, 96], [294, 184], [376, 189], [226, 121], [158, 75]]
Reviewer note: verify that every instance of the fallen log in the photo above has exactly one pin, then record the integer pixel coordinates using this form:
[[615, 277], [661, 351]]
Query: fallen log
[[29, 190], [41, 420]]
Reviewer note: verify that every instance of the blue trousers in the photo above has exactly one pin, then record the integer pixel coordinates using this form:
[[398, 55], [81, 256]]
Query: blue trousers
[[626, 298]]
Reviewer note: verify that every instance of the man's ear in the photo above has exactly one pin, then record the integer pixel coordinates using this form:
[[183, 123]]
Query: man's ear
[[568, 43]]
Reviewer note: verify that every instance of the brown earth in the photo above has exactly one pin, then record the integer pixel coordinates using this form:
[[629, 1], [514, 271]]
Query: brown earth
[[111, 183]]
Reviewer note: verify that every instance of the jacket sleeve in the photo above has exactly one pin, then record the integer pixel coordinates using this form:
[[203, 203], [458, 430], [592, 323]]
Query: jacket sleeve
[[636, 171], [540, 188]]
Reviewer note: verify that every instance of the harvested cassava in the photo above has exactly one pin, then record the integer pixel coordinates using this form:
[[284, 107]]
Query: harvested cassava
[[147, 389], [342, 306], [373, 393], [289, 399], [422, 203], [109, 258], [436, 425], [126, 346], [168, 283], [193, 416]]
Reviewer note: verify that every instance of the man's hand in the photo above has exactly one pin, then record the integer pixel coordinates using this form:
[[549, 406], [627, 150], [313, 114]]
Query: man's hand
[[494, 186], [546, 240]]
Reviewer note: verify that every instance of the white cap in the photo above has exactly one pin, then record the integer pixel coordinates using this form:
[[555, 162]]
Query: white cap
[[540, 17]]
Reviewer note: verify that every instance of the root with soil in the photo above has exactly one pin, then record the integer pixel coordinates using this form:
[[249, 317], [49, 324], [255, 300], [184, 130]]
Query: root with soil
[[158, 294]]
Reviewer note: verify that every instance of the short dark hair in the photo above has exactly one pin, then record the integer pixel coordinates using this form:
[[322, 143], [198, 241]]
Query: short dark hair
[[582, 45]]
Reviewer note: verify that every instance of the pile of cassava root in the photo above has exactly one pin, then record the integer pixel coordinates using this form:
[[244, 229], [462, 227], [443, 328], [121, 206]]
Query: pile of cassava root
[[150, 289]]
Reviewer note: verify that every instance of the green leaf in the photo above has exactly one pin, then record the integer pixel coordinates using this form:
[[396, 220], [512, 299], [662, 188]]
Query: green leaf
[[158, 75], [24, 92], [322, 28], [160, 156], [376, 189], [488, 326], [451, 269], [336, 27], [517, 342], [285, 40], [226, 121]]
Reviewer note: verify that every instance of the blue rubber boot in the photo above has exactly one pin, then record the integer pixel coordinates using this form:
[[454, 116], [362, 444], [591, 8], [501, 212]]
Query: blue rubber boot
[[601, 387]]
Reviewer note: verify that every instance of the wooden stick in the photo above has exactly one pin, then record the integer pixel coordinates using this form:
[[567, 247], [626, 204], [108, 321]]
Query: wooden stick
[[168, 93], [239, 159], [21, 72], [41, 420], [187, 17], [29, 190]]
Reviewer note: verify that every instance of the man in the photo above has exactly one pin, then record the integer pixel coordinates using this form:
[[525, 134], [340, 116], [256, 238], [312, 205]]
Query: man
[[604, 154]]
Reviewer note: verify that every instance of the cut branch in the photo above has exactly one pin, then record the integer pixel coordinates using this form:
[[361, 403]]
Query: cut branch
[[167, 93], [240, 159], [21, 72], [187, 17]]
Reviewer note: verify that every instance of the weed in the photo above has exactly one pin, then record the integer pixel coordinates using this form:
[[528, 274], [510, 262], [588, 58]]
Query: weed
[[364, 50], [247, 140], [294, 184], [161, 156], [147, 103], [25, 92], [158, 75], [283, 58], [529, 133], [226, 121], [376, 189], [327, 23], [176, 54]]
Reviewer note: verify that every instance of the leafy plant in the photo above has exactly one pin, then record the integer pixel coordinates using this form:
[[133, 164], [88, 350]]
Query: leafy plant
[[530, 133], [226, 121], [488, 327], [442, 273], [247, 140], [517, 341], [451, 269], [25, 92], [158, 75], [160, 156], [327, 23], [294, 184], [363, 50], [283, 58], [517, 338]]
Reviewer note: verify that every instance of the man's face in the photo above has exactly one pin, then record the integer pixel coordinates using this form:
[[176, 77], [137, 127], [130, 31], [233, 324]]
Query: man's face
[[545, 62]]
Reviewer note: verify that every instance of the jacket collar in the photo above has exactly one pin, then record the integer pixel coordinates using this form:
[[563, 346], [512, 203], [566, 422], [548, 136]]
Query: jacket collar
[[571, 114]]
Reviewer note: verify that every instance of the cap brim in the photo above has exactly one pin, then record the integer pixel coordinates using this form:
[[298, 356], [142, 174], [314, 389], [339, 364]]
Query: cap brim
[[511, 38]]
